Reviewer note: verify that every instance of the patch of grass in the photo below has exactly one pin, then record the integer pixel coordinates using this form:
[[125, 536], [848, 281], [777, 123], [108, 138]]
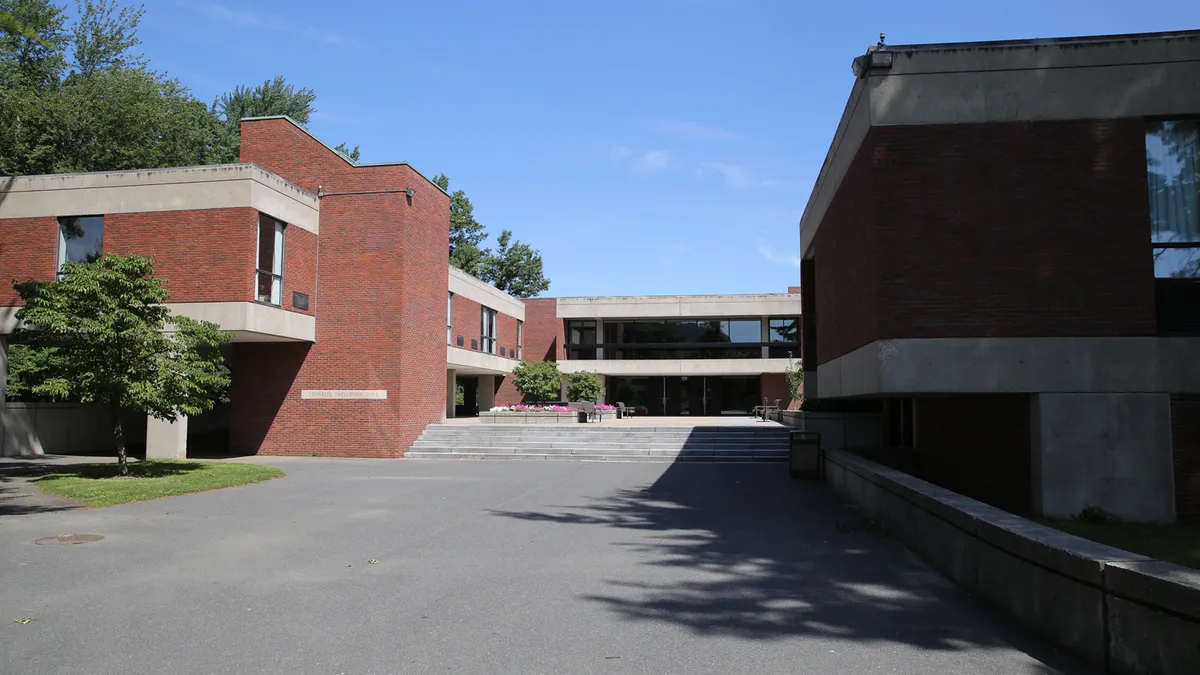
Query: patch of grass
[[94, 484], [1179, 544]]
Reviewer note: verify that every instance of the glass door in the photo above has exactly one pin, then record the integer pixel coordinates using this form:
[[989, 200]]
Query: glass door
[[683, 395]]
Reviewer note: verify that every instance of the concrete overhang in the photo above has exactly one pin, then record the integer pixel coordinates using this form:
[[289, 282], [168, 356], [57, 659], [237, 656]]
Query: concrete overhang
[[1145, 75], [650, 367], [467, 362], [680, 306], [250, 322], [932, 366], [461, 283], [177, 189]]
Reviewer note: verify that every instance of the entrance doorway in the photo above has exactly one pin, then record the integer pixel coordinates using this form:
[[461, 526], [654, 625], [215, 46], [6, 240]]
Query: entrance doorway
[[703, 395]]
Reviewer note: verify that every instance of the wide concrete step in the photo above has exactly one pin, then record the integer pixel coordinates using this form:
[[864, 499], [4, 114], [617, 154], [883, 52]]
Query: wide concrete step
[[605, 442], [419, 454], [592, 450], [660, 438]]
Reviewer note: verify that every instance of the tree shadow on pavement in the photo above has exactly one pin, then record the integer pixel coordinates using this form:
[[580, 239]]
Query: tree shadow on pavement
[[764, 558], [19, 495]]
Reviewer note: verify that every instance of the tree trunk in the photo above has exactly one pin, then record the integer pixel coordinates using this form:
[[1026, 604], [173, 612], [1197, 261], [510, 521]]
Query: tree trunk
[[119, 434]]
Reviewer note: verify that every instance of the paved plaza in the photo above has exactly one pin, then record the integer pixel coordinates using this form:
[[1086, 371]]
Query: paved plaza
[[483, 567]]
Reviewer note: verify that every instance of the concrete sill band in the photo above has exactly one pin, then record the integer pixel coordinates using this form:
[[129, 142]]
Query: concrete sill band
[[1124, 612]]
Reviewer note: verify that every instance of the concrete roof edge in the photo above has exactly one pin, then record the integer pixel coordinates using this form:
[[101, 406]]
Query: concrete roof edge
[[1046, 42], [165, 169], [340, 155]]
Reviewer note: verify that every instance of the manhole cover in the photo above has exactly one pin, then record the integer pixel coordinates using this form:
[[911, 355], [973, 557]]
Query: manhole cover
[[64, 539]]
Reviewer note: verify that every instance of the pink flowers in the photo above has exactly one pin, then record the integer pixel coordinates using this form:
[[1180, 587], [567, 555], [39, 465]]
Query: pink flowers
[[605, 406], [521, 407]]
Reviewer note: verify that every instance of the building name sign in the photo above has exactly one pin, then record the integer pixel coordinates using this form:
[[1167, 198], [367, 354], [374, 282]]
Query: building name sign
[[343, 393]]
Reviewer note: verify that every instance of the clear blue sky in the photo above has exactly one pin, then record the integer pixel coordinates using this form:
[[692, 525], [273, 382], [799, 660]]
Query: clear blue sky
[[645, 147]]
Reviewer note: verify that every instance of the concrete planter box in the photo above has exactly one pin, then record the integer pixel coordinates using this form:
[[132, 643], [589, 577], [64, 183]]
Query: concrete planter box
[[517, 417]]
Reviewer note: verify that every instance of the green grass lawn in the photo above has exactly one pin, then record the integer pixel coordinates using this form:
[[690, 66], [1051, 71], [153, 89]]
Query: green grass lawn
[[94, 485], [1179, 544]]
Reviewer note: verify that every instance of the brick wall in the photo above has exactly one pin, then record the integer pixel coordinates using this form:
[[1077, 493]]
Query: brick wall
[[845, 265], [506, 335], [467, 321], [988, 230], [544, 331], [28, 250], [774, 386], [205, 255], [381, 293], [1185, 435], [300, 267]]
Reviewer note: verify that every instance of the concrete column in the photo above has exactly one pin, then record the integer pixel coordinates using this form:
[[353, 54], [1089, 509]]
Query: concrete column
[[166, 440], [487, 392], [562, 396], [451, 390], [1112, 451], [599, 339], [765, 333], [3, 372]]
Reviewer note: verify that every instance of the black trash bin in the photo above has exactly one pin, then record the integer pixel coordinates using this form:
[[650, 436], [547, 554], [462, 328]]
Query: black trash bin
[[804, 455]]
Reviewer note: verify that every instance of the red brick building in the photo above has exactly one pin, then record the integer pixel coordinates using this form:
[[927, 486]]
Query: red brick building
[[1003, 249], [335, 280]]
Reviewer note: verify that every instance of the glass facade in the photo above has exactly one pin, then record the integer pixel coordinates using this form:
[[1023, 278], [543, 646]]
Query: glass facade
[[693, 395], [1172, 168], [269, 275], [657, 339]]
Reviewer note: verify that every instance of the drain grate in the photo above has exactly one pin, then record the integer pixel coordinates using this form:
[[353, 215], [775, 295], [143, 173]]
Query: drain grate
[[857, 527], [67, 539]]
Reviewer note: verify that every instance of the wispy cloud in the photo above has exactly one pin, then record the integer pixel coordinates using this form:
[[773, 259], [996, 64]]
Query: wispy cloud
[[694, 130], [776, 256], [739, 177], [245, 18], [648, 160]]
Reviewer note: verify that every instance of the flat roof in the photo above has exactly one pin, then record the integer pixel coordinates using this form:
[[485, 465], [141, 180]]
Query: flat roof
[[1044, 42]]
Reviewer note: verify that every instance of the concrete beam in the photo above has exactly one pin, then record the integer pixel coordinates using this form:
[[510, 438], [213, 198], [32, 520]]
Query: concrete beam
[[461, 283], [751, 306], [1014, 365], [467, 362], [676, 367], [177, 189]]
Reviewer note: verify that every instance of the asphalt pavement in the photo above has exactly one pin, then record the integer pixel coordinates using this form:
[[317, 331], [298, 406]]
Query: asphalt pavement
[[488, 567]]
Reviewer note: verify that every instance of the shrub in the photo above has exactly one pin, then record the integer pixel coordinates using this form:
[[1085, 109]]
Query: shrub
[[538, 380], [584, 387], [1096, 515], [795, 378]]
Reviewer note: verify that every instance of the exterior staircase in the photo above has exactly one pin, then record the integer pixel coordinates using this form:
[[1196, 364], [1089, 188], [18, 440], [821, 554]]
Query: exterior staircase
[[593, 442]]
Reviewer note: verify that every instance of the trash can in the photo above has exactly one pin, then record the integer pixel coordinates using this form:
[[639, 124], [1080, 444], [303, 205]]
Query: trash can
[[804, 454]]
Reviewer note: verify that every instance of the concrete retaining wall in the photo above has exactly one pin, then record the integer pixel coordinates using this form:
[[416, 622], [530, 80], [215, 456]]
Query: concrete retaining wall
[[62, 429], [839, 431], [1121, 611]]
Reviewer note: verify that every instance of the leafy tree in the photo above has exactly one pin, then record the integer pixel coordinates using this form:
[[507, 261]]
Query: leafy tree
[[538, 380], [32, 40], [109, 113], [515, 269], [351, 154], [25, 366], [466, 233], [103, 35], [584, 387], [272, 97], [108, 324]]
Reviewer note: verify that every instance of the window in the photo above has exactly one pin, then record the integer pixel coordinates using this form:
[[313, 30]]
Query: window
[[581, 340], [80, 239], [449, 316], [269, 276], [488, 316], [520, 337], [784, 336], [1172, 166]]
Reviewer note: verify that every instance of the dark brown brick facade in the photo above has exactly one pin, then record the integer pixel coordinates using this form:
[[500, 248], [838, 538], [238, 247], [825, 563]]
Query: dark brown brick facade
[[988, 230]]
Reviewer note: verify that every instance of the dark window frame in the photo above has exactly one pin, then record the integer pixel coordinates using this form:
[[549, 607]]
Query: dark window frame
[[1159, 247], [488, 329], [61, 251], [280, 227]]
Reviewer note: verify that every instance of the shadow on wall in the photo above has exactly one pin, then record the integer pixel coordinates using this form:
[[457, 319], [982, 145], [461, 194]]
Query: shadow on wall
[[767, 558]]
